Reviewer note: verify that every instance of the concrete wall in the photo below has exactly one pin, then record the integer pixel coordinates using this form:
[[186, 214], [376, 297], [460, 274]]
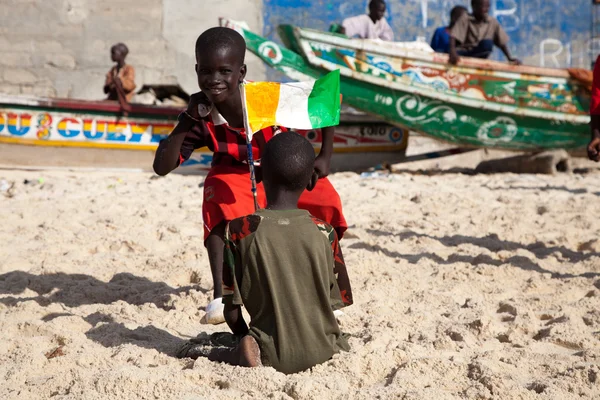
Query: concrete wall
[[553, 33], [62, 47]]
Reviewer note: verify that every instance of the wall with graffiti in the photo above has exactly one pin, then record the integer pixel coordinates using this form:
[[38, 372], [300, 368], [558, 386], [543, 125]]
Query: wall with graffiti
[[552, 33]]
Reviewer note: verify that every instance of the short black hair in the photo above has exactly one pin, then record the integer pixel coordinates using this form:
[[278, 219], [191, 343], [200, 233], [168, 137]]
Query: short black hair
[[218, 38], [473, 2], [122, 47], [457, 11], [373, 3], [288, 162]]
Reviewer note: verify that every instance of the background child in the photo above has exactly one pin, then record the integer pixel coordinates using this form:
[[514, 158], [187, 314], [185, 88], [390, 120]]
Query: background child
[[440, 42], [477, 34], [120, 80]]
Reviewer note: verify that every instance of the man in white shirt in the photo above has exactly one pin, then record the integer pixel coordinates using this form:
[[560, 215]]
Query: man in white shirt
[[369, 26]]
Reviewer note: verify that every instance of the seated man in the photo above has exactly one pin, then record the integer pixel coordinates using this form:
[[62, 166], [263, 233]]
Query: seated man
[[475, 35], [280, 263], [440, 43], [369, 26]]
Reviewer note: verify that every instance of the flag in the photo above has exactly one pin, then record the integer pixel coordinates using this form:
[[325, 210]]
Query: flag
[[299, 105]]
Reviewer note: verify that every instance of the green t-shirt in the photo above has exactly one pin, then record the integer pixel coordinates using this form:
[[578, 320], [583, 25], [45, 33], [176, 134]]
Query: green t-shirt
[[280, 266]]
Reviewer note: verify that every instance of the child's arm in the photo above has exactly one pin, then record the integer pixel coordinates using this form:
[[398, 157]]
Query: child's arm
[[108, 83], [323, 160], [187, 136], [453, 53], [167, 156], [458, 33], [501, 40], [510, 58], [128, 81]]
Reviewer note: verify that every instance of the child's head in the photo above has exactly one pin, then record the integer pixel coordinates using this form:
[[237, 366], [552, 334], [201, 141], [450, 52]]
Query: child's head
[[376, 9], [288, 165], [456, 13], [118, 52], [220, 64], [481, 8]]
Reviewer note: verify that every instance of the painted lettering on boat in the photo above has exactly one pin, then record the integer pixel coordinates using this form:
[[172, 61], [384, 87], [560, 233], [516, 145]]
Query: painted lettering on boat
[[15, 124], [374, 130], [63, 127]]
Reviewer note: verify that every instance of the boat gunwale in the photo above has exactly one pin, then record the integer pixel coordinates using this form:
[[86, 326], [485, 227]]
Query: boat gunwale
[[384, 48], [69, 105], [91, 106], [444, 97]]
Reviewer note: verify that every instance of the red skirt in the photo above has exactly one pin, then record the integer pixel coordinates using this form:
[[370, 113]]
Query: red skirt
[[228, 195]]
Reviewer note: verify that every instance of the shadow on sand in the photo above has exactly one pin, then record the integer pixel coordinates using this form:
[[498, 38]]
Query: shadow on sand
[[74, 290], [490, 242]]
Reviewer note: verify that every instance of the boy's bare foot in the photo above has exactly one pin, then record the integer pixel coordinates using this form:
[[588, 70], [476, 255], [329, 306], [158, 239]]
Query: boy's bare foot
[[249, 352], [245, 354]]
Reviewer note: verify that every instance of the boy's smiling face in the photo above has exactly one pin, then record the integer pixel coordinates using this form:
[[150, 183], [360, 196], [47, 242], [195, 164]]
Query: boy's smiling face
[[220, 73]]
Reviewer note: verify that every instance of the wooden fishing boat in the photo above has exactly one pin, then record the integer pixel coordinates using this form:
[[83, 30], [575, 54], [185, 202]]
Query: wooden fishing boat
[[476, 103], [40, 132]]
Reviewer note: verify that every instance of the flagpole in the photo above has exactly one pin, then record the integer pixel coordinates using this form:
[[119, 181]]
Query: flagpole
[[249, 134]]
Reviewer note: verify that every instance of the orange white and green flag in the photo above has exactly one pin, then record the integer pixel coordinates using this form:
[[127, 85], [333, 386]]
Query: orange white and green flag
[[298, 105]]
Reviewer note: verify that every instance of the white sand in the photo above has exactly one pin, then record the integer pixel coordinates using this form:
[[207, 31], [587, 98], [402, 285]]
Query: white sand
[[483, 287]]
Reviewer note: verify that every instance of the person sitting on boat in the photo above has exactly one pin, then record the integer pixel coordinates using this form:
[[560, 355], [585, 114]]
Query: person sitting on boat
[[593, 148], [369, 26], [120, 80], [476, 34], [440, 43]]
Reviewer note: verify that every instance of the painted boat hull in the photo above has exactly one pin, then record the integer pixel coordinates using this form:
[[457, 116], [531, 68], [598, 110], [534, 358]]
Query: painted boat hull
[[37, 132], [477, 103]]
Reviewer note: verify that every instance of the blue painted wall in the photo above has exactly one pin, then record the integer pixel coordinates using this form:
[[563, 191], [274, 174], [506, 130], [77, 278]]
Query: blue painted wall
[[561, 27]]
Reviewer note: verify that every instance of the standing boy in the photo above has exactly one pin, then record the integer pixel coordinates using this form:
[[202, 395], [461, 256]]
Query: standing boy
[[214, 118], [279, 264]]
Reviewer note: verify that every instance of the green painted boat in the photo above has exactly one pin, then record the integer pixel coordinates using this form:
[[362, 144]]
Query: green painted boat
[[478, 103]]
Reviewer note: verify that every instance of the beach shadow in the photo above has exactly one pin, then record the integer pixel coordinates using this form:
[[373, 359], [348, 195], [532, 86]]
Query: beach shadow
[[493, 243], [109, 333], [75, 290], [487, 242]]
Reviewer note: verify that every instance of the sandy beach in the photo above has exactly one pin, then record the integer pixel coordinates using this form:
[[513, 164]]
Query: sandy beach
[[478, 287]]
